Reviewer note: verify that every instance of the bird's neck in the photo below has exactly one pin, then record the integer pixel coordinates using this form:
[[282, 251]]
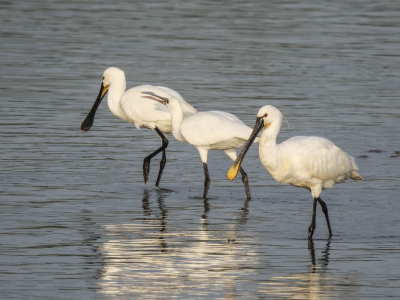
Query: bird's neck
[[176, 111], [268, 149], [115, 93]]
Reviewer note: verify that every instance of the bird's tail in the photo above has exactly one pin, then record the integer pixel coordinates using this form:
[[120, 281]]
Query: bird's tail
[[355, 176]]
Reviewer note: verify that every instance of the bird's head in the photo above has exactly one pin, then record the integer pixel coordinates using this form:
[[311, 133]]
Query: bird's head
[[111, 75], [265, 116]]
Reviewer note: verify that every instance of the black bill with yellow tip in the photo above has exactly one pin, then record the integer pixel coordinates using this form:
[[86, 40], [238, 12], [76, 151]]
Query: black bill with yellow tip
[[88, 122], [234, 170]]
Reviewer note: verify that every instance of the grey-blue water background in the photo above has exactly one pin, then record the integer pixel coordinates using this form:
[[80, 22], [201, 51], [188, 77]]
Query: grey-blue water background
[[76, 219]]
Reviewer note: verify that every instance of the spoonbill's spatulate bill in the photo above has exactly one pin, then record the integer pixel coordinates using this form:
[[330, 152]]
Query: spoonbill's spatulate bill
[[314, 163], [213, 130], [132, 107]]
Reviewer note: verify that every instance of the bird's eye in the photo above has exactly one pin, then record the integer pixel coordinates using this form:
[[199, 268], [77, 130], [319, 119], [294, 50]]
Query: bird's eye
[[103, 77], [265, 115]]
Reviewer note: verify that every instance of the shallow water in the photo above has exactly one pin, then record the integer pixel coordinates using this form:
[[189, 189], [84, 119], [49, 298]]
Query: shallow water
[[77, 221]]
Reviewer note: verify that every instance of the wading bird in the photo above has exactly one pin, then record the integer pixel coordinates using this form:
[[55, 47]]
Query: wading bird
[[314, 163], [133, 108], [213, 130]]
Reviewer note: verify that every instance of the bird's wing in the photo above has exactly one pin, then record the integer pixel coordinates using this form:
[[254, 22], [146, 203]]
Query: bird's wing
[[319, 156], [188, 110], [241, 128], [227, 116], [214, 127], [141, 110]]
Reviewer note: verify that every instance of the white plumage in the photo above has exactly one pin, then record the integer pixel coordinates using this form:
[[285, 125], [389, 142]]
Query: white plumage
[[314, 163], [311, 162], [145, 113], [132, 107], [213, 130]]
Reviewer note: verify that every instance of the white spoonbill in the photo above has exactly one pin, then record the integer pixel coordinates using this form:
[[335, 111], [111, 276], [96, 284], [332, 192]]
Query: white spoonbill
[[314, 163], [130, 106], [213, 130]]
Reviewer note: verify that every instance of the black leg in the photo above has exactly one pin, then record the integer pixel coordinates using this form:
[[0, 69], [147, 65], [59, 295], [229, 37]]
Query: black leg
[[312, 226], [162, 165], [206, 180], [146, 161], [325, 210], [245, 180]]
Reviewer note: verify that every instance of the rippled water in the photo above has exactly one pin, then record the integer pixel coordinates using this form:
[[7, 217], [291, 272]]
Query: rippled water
[[76, 219]]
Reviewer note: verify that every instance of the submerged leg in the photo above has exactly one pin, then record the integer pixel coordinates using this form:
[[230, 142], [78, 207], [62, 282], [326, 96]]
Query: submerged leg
[[245, 181], [146, 161], [325, 210], [312, 226]]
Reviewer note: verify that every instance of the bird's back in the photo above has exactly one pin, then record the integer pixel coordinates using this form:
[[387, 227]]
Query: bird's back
[[148, 113], [188, 110], [215, 130]]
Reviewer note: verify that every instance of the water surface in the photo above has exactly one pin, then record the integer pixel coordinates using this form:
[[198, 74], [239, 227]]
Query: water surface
[[77, 221]]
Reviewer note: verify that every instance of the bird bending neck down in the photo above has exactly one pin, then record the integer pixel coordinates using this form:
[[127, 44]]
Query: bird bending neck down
[[212, 130], [314, 163]]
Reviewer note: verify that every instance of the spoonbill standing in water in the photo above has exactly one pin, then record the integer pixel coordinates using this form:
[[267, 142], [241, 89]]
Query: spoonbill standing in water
[[130, 106], [314, 163], [213, 130]]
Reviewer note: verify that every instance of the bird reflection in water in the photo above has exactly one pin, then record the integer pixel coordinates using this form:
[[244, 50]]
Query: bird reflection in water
[[162, 218], [92, 234], [204, 214], [167, 256], [316, 283], [210, 242], [324, 260], [163, 223], [241, 220], [244, 216], [146, 204]]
